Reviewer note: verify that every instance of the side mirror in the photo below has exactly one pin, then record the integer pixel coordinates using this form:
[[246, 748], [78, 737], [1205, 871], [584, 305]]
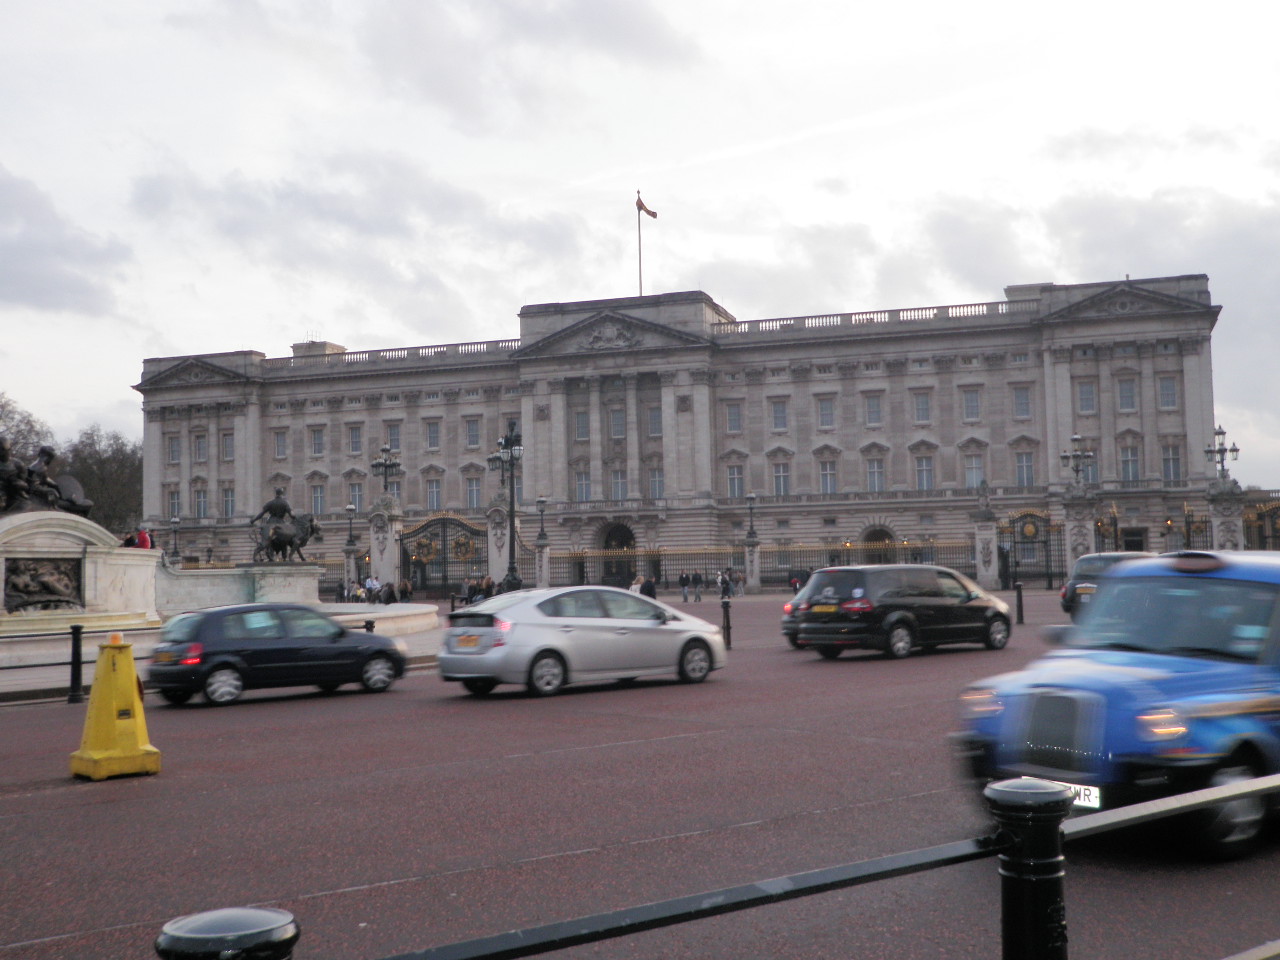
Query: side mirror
[[1056, 635]]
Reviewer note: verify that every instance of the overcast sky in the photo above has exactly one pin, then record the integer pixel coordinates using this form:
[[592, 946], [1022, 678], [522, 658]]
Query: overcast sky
[[203, 176]]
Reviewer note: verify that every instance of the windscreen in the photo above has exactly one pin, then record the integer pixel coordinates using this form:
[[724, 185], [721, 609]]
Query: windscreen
[[1185, 616]]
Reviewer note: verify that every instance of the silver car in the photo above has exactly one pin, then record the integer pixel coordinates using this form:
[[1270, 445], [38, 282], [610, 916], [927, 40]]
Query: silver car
[[545, 639]]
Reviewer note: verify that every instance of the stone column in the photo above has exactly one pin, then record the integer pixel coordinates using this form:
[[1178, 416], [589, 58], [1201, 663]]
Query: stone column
[[701, 452], [597, 440], [556, 473], [633, 439], [986, 550], [385, 527], [752, 573]]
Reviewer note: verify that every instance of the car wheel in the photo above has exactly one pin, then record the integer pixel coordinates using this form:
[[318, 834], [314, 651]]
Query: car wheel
[[328, 686], [830, 653], [176, 697], [480, 686], [377, 674], [695, 662], [997, 634], [1231, 829], [900, 642], [224, 685], [793, 640], [546, 674]]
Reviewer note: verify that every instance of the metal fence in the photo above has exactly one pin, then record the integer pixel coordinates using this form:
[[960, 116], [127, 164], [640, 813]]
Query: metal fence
[[619, 568], [779, 562]]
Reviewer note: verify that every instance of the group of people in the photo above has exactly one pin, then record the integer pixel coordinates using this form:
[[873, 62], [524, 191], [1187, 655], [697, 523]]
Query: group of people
[[729, 583], [645, 586], [374, 590], [139, 538], [478, 588]]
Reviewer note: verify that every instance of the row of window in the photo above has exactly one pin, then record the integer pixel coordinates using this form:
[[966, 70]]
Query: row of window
[[200, 447], [921, 401]]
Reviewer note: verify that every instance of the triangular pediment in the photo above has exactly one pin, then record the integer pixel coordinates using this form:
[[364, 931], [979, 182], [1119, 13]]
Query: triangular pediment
[[609, 332], [1125, 301], [192, 372]]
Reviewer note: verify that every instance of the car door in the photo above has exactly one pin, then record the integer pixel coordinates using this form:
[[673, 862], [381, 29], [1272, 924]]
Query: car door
[[964, 616], [325, 652], [583, 632], [259, 641], [922, 596], [642, 639]]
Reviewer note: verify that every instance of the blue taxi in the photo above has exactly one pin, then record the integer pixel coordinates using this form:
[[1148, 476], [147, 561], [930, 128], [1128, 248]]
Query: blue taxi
[[1169, 682]]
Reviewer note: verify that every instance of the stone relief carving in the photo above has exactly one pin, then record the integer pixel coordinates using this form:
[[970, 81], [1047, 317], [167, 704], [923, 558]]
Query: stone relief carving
[[542, 412], [42, 584], [610, 335]]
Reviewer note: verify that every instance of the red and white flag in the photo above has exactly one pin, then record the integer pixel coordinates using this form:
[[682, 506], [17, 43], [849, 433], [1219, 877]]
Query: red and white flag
[[641, 207]]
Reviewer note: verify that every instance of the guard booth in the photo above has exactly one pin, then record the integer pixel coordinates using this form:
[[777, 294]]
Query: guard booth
[[443, 551], [1032, 549]]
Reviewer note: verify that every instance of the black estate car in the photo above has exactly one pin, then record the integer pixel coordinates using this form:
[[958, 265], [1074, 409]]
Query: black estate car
[[896, 608], [223, 651], [1083, 582]]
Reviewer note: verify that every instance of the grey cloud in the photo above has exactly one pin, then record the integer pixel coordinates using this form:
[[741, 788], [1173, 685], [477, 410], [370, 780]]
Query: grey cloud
[[497, 64], [47, 262], [977, 243]]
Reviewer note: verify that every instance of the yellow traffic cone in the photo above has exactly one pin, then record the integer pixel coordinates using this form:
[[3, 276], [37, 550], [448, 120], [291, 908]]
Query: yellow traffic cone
[[114, 743]]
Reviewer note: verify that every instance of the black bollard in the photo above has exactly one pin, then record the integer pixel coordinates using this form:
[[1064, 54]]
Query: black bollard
[[1018, 588], [76, 693], [233, 933], [368, 626], [1033, 916], [725, 625]]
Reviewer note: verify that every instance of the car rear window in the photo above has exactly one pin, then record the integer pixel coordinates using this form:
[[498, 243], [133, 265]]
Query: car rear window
[[180, 629], [837, 583], [1092, 566]]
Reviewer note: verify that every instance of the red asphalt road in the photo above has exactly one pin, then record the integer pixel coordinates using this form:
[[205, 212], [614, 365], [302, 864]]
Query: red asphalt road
[[397, 822]]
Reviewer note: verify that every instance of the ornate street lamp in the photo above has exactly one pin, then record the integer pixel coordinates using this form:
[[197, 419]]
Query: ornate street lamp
[[751, 516], [1077, 456], [385, 466], [542, 529], [173, 525], [1218, 452], [505, 460], [351, 534]]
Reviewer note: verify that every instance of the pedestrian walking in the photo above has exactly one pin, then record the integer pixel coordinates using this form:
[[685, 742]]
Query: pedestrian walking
[[636, 584], [649, 588], [725, 580], [684, 585], [696, 580]]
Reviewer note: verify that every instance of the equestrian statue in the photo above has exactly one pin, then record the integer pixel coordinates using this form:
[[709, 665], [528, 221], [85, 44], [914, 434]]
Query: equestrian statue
[[282, 535]]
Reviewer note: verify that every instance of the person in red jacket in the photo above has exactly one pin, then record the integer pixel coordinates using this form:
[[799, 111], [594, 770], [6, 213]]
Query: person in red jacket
[[144, 538]]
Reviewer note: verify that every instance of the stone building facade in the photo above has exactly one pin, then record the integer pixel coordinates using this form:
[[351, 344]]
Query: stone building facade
[[648, 421]]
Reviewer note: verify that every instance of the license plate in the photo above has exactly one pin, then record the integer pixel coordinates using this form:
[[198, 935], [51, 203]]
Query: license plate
[[1084, 590], [162, 658], [469, 640], [1086, 796], [824, 608]]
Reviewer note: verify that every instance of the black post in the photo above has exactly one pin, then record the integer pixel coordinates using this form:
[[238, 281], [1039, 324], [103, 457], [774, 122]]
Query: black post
[[264, 933], [1018, 590], [368, 626], [76, 693], [725, 625], [1033, 920]]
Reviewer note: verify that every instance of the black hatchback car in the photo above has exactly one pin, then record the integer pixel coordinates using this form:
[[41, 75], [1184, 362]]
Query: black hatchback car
[[1083, 582], [223, 651], [895, 608]]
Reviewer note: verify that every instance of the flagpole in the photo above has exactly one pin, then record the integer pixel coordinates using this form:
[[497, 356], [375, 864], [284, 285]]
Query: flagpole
[[639, 246]]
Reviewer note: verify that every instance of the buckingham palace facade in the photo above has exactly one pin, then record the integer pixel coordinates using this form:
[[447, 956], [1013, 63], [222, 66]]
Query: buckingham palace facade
[[664, 421]]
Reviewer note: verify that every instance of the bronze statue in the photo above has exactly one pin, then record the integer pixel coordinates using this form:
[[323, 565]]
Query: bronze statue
[[282, 536], [13, 479], [33, 488]]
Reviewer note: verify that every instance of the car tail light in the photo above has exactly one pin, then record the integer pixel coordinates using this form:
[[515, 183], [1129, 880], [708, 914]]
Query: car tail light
[[802, 606], [786, 608], [1062, 593], [502, 626], [861, 605], [192, 655]]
